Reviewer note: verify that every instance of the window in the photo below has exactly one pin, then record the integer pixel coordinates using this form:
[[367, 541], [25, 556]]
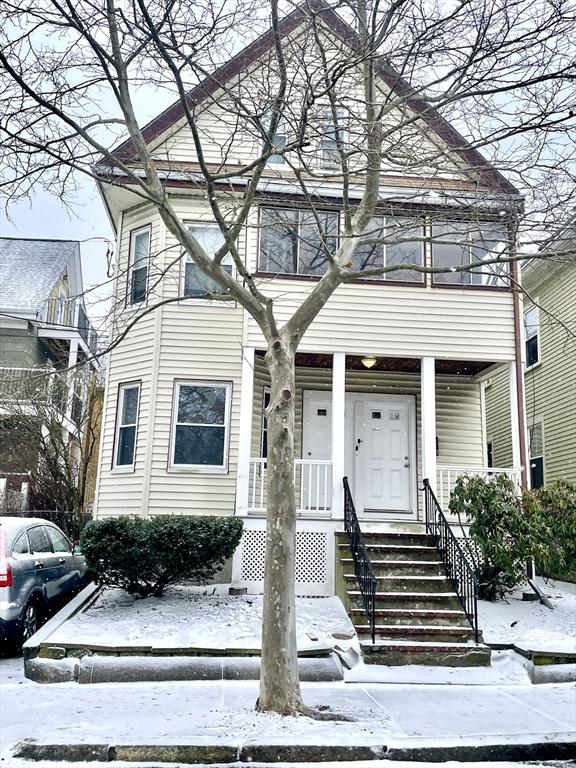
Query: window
[[279, 140], [462, 243], [536, 451], [126, 425], [532, 335], [399, 249], [490, 453], [196, 283], [200, 425], [332, 138], [59, 542], [264, 425], [21, 546], [139, 261], [38, 540], [291, 243]]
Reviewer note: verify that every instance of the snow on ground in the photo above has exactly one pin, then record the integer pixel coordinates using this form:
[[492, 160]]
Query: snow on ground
[[186, 617], [346, 764], [531, 624]]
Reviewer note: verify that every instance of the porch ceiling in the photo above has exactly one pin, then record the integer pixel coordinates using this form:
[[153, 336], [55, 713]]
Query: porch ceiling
[[394, 364]]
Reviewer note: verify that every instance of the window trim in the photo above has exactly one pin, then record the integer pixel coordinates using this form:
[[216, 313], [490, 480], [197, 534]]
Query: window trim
[[435, 282], [206, 469], [133, 234], [188, 223], [122, 386], [533, 306]]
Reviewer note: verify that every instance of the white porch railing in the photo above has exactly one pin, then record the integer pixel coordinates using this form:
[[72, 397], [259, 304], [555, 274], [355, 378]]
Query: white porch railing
[[313, 481], [449, 473]]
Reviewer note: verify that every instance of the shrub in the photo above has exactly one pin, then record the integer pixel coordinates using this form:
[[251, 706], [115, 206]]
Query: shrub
[[555, 508], [504, 533], [145, 555]]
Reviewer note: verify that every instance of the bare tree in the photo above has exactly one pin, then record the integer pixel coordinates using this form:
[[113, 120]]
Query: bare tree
[[384, 78], [49, 429]]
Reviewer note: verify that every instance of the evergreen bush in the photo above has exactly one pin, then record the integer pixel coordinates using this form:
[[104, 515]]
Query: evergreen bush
[[504, 532], [145, 555], [554, 506]]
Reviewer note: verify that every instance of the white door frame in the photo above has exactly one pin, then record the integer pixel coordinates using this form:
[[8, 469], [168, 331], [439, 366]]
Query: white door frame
[[351, 398]]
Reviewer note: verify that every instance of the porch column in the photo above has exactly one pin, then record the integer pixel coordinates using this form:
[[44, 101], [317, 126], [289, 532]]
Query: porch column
[[338, 424], [428, 418], [516, 424], [245, 431]]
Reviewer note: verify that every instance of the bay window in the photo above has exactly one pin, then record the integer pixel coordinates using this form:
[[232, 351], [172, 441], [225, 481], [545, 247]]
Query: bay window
[[200, 425], [138, 265], [126, 426], [291, 242], [463, 243], [197, 284]]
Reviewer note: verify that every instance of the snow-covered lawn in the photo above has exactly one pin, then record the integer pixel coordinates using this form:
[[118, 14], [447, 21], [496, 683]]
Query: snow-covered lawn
[[185, 617], [531, 624]]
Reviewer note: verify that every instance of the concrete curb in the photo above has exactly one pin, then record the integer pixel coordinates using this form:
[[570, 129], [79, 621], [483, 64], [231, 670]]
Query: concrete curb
[[555, 747], [552, 673]]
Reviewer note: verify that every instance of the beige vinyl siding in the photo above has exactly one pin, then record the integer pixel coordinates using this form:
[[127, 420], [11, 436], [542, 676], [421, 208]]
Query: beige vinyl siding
[[458, 408], [498, 419], [120, 492], [401, 321], [550, 386]]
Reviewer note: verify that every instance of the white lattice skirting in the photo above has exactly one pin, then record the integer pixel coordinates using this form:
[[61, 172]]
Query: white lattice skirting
[[314, 558]]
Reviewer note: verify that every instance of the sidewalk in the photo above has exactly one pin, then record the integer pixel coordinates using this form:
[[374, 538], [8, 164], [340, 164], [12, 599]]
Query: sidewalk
[[215, 722]]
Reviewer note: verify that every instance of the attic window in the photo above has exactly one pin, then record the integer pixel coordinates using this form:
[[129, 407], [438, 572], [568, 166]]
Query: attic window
[[332, 138]]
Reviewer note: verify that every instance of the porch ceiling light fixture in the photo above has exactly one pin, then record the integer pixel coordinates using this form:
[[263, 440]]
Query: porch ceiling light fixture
[[369, 361]]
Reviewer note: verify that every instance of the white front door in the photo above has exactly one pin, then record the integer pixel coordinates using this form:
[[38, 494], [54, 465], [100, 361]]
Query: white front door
[[316, 479], [380, 449], [382, 455]]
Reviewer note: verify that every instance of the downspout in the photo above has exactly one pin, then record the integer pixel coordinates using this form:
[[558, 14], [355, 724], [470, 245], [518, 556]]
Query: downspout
[[516, 292]]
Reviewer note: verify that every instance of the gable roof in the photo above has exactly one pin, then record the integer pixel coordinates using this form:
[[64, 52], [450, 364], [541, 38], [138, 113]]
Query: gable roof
[[237, 64], [29, 270]]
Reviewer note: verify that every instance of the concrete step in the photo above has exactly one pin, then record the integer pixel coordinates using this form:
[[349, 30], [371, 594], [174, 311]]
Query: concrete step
[[396, 653], [395, 552], [413, 616], [420, 633], [409, 583], [400, 567], [418, 539], [417, 600]]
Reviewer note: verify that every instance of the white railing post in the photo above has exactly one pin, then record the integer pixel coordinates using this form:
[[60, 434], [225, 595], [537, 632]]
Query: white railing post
[[245, 434], [428, 419], [338, 428]]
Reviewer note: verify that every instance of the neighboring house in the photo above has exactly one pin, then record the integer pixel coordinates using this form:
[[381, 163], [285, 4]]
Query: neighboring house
[[389, 376], [549, 356], [44, 330]]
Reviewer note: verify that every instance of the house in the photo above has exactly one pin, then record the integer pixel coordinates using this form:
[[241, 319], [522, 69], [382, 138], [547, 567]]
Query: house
[[44, 330], [549, 359], [389, 376]]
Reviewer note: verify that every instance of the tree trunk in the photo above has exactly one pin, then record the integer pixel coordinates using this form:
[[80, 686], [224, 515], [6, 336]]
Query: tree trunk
[[279, 683]]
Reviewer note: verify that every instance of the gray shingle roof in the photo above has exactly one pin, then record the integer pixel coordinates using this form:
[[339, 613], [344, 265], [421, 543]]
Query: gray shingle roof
[[29, 270]]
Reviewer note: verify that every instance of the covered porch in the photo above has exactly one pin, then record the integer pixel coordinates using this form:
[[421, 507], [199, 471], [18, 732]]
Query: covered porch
[[384, 422]]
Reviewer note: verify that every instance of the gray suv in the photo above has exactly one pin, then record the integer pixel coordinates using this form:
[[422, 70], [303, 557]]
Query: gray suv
[[39, 571]]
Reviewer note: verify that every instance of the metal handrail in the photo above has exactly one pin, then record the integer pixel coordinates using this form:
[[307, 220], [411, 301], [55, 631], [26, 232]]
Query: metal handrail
[[362, 565], [457, 565]]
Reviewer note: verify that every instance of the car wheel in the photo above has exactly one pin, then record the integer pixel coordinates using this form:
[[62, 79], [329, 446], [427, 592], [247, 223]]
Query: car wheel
[[29, 623]]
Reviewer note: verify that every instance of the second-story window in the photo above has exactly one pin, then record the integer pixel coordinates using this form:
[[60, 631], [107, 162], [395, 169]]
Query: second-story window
[[279, 141], [532, 334], [292, 243], [391, 242], [196, 284], [457, 244], [139, 263]]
